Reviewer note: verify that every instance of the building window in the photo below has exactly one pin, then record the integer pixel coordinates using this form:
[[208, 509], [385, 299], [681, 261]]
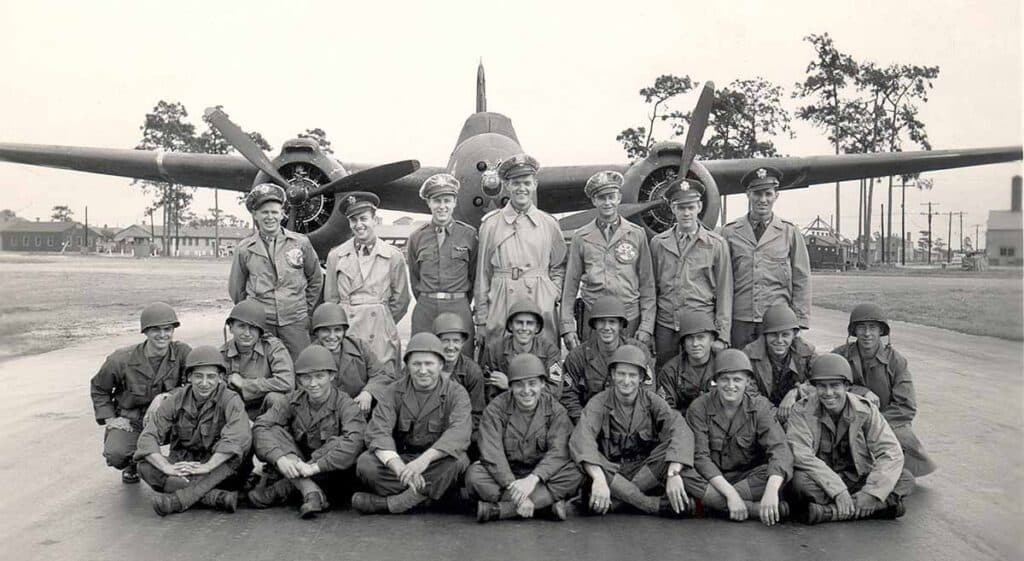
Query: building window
[[14, 241], [39, 241], [1007, 251], [49, 242], [24, 240]]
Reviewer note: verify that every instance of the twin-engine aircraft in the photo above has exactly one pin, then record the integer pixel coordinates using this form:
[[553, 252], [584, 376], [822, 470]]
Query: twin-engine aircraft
[[316, 182]]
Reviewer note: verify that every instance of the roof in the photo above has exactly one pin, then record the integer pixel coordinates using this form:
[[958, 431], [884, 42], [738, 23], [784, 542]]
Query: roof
[[226, 232], [1004, 220], [392, 231], [28, 227]]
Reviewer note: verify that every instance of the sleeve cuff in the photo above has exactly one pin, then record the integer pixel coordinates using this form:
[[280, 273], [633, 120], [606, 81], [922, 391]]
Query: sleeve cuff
[[386, 456]]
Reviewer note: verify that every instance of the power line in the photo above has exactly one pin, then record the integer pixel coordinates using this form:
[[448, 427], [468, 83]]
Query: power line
[[929, 204]]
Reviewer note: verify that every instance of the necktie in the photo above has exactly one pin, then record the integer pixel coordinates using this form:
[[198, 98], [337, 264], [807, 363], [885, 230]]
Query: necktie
[[758, 230], [441, 233]]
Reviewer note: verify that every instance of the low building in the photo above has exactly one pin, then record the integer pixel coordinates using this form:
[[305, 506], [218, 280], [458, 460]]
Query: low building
[[825, 248], [1004, 231], [48, 236], [192, 241]]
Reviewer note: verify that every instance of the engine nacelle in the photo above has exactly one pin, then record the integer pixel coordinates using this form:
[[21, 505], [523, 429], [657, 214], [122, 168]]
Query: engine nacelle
[[647, 180]]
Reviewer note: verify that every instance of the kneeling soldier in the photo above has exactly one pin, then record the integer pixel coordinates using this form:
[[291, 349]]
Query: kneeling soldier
[[691, 372], [524, 462], [129, 380], [417, 437], [523, 327], [258, 363], [359, 374], [630, 442], [204, 424], [312, 436], [454, 333], [841, 445], [781, 360], [740, 450]]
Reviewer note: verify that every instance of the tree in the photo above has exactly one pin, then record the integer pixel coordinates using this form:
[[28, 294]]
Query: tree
[[637, 141], [8, 215], [745, 116], [320, 137], [62, 213]]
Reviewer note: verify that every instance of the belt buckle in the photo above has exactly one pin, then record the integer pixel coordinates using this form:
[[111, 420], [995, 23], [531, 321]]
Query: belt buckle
[[516, 273]]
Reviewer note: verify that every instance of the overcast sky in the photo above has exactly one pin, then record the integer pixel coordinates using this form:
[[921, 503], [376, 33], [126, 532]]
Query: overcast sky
[[389, 81]]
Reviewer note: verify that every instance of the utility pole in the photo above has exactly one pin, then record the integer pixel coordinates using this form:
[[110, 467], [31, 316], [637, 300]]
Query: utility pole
[[216, 226], [949, 239], [884, 248], [725, 209], [977, 239], [961, 213], [87, 227], [903, 222], [930, 204]]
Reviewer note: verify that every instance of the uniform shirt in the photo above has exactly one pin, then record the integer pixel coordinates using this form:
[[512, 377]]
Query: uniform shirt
[[194, 429], [267, 368], [403, 424], [834, 447], [751, 438], [680, 382], [330, 434], [449, 268], [586, 373], [471, 377], [127, 383], [774, 269], [497, 354], [694, 275], [618, 266], [886, 374], [607, 434], [288, 283], [516, 443], [773, 380], [359, 370]]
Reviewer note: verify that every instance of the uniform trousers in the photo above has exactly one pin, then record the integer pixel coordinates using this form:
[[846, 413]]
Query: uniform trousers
[[119, 445], [482, 485], [427, 309], [750, 484], [806, 490], [666, 344], [440, 475], [190, 491], [743, 333], [295, 336]]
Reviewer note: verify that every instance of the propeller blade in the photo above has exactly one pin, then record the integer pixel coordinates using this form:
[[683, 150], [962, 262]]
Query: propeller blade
[[293, 217], [241, 142], [378, 175], [580, 219], [698, 123]]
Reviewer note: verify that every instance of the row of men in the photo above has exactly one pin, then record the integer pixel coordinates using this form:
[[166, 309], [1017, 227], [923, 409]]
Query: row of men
[[413, 415], [732, 277]]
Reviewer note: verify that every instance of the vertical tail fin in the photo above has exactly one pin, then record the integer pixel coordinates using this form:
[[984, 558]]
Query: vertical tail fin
[[481, 88]]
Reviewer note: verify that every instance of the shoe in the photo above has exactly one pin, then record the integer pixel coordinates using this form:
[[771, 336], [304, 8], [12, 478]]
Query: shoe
[[130, 475], [276, 493], [816, 513], [665, 509], [559, 510], [226, 501], [312, 504], [368, 503], [485, 511], [165, 503]]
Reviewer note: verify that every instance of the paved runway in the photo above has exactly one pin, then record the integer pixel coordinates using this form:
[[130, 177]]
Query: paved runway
[[59, 501]]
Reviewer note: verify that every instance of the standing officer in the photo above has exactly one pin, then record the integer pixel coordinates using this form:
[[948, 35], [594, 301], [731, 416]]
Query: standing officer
[[609, 257], [257, 362], [691, 264], [277, 268], [780, 359], [129, 380], [368, 277], [691, 372], [523, 255], [442, 259], [769, 260]]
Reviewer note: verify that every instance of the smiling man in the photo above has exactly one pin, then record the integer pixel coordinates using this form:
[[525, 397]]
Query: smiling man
[[522, 335], [691, 372], [257, 362], [781, 360], [453, 333]]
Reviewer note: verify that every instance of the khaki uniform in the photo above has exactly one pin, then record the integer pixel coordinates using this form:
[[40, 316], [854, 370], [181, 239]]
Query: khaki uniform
[[375, 298], [774, 269], [442, 276], [586, 374], [125, 386], [746, 450], [401, 424], [695, 276], [288, 284], [680, 382], [515, 444], [775, 381], [887, 375], [358, 370], [267, 368], [523, 258], [470, 376], [618, 266], [500, 350], [861, 453]]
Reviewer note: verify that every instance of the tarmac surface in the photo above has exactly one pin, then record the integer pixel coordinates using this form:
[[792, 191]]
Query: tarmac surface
[[59, 500]]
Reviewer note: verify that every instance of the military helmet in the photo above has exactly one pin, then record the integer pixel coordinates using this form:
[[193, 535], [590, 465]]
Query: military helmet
[[867, 312], [525, 365], [691, 323], [779, 318], [450, 323], [329, 314], [608, 307], [830, 367], [424, 342], [250, 312], [157, 314], [315, 358], [524, 306], [628, 354], [732, 360], [205, 355]]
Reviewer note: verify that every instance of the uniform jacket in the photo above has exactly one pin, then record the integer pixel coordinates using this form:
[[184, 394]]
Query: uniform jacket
[[523, 257], [196, 430], [680, 382], [449, 268], [772, 270], [604, 438], [471, 377], [586, 374], [699, 279], [753, 437], [514, 444], [359, 370], [400, 424], [888, 378], [268, 370], [126, 384], [499, 351], [876, 452], [288, 284], [331, 435], [619, 267], [801, 353]]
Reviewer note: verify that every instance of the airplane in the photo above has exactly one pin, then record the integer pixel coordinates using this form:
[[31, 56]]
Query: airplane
[[315, 182]]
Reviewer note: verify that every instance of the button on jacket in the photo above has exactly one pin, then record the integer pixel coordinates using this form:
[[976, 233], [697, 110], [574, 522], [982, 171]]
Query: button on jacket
[[514, 443], [126, 383], [443, 422], [268, 368], [450, 268], [288, 284]]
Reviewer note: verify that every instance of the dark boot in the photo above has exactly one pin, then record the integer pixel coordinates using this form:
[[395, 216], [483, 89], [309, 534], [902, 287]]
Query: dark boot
[[312, 504], [276, 493], [404, 501], [665, 509], [559, 511], [166, 503], [818, 514], [221, 500], [485, 511], [892, 510], [369, 503], [130, 474]]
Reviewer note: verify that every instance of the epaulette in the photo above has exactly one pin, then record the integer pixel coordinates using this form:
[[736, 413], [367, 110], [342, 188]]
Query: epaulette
[[466, 225]]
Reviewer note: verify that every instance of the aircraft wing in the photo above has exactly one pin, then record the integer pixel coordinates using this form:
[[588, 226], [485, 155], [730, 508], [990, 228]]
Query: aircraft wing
[[560, 188], [401, 194]]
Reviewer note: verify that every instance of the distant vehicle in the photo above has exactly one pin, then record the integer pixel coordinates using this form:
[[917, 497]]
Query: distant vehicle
[[975, 261]]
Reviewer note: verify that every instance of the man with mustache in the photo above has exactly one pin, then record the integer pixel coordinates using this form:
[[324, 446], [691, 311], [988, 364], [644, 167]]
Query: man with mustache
[[780, 360]]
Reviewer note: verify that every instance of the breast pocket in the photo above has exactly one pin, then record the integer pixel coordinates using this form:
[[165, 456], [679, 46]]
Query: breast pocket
[[137, 396]]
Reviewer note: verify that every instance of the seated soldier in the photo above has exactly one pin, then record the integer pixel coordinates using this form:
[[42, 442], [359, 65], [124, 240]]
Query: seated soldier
[[205, 427], [129, 380], [781, 360], [586, 367], [360, 374], [841, 445], [257, 363], [451, 330], [522, 335], [417, 437], [629, 443], [691, 372], [740, 450], [880, 373], [524, 462], [312, 436]]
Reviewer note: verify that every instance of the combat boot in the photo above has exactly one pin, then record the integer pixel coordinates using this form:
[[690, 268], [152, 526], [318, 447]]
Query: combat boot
[[754, 509], [560, 510], [485, 511], [276, 493], [130, 474], [892, 510], [369, 503], [312, 504], [166, 503], [817, 514], [221, 500], [665, 508]]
